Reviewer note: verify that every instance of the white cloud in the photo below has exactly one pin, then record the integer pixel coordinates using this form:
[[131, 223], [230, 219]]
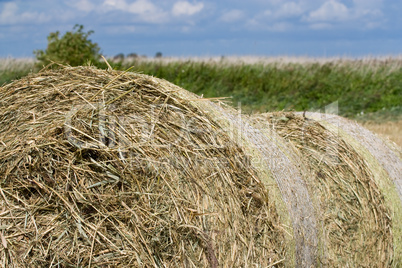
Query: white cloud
[[318, 14], [115, 4], [267, 13], [331, 10], [363, 14], [289, 9], [232, 15], [82, 5], [281, 26], [10, 15], [144, 9], [185, 8], [368, 8], [137, 7], [279, 13]]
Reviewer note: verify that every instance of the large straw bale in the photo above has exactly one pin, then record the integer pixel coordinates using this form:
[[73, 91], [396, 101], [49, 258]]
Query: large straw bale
[[107, 168], [357, 202]]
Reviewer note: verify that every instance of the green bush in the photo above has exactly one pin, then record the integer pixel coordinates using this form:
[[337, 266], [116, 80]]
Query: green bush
[[73, 48]]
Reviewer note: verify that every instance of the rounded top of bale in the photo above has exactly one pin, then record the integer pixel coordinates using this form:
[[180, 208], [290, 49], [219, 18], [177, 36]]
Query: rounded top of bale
[[115, 168]]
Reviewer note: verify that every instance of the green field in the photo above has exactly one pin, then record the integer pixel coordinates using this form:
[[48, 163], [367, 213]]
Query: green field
[[364, 89]]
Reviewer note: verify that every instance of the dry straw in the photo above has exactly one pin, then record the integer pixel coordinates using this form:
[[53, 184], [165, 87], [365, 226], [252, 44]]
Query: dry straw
[[384, 159], [279, 170], [357, 204], [117, 169]]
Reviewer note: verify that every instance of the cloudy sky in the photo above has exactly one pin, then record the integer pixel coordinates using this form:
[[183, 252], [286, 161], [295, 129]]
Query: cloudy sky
[[317, 28]]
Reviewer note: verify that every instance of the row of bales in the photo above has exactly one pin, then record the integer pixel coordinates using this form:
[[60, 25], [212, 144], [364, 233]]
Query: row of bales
[[103, 168]]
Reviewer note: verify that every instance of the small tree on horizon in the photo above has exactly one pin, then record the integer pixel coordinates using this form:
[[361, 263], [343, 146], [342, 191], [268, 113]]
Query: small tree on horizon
[[73, 48]]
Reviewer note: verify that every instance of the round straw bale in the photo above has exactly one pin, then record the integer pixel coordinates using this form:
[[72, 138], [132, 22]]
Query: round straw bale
[[384, 159], [386, 153], [108, 168], [357, 203]]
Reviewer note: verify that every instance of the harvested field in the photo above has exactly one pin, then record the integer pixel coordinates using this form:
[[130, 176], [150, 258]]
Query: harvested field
[[388, 130], [111, 168]]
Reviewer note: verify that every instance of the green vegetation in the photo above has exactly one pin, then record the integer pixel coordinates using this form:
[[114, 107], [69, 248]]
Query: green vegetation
[[73, 48], [364, 89], [358, 87], [11, 69], [8, 75]]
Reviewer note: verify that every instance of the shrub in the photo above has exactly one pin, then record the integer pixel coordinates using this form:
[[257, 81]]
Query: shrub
[[132, 56], [118, 57], [73, 48]]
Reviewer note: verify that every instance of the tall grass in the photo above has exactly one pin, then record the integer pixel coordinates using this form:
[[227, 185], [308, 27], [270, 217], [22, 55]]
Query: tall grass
[[360, 86], [363, 88], [11, 68]]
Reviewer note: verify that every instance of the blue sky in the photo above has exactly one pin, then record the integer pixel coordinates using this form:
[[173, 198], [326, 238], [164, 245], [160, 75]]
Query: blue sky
[[185, 28]]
